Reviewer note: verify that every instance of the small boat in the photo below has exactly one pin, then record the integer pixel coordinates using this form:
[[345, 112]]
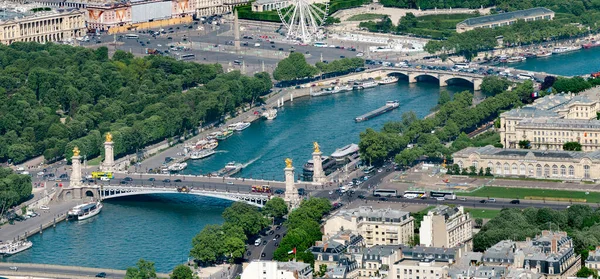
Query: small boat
[[559, 50], [213, 135], [591, 44], [326, 91], [212, 144], [388, 80], [240, 126], [201, 154], [11, 248], [230, 169], [84, 211], [224, 135], [365, 84], [178, 167], [345, 88], [270, 114], [543, 54], [515, 59]]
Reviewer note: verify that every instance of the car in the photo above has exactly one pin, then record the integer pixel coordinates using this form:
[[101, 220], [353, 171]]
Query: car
[[277, 228], [515, 202], [263, 255], [482, 201], [342, 56], [14, 268], [104, 178], [151, 179], [362, 197], [248, 253], [463, 199], [307, 52], [177, 180], [264, 242], [491, 200], [331, 192], [271, 232], [276, 244], [360, 54], [280, 49], [101, 275], [279, 191], [229, 182], [383, 199], [124, 182], [41, 173], [166, 180], [25, 173], [276, 236], [44, 207], [272, 42], [170, 38], [128, 179]]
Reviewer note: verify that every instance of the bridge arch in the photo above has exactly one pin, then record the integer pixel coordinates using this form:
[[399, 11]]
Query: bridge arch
[[449, 80], [258, 201]]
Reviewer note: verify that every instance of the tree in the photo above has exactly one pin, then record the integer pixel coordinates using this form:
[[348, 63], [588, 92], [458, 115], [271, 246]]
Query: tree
[[234, 248], [524, 144], [488, 171], [407, 22], [585, 272], [480, 172], [492, 85], [572, 146], [246, 216], [444, 98], [207, 246], [322, 270], [294, 67], [182, 272], [143, 270], [275, 207], [478, 223]]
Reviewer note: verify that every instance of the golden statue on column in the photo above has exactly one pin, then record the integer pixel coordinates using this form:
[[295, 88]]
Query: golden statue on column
[[108, 137], [316, 146], [76, 151], [288, 163]]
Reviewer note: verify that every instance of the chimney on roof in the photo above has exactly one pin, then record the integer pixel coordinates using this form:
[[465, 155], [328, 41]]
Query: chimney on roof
[[545, 233], [554, 245]]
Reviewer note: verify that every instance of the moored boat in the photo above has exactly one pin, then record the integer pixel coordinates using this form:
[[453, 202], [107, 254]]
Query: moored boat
[[559, 50], [213, 135], [178, 167], [84, 211], [591, 44], [515, 59], [230, 169], [240, 126], [201, 154], [224, 135], [543, 54], [388, 80], [345, 154], [270, 114], [212, 144], [11, 248], [365, 84]]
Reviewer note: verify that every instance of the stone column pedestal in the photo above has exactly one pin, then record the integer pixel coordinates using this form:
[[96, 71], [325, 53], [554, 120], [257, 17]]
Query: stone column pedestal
[[318, 173], [75, 181], [291, 193], [109, 157]]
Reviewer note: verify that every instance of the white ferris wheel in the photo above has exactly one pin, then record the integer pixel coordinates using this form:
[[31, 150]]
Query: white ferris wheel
[[303, 20]]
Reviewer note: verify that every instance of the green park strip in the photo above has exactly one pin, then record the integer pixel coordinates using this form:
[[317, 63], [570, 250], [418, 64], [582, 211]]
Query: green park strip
[[94, 162], [483, 213], [537, 194], [361, 17]]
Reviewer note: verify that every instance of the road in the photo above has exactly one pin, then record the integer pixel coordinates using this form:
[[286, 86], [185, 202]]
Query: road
[[58, 271], [255, 252]]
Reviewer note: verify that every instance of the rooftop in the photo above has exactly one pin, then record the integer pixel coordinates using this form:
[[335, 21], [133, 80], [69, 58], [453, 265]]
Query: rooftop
[[506, 16], [528, 154], [376, 214], [560, 123], [292, 266], [447, 211]]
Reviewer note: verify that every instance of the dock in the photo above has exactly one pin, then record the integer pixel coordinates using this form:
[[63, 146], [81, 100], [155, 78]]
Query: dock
[[389, 106]]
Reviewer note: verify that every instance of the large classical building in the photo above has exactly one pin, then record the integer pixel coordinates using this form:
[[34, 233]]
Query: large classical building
[[504, 19], [376, 226], [556, 164], [446, 226], [553, 120], [48, 26], [277, 270]]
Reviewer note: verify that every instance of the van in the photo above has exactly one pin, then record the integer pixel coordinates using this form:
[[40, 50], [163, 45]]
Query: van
[[257, 242]]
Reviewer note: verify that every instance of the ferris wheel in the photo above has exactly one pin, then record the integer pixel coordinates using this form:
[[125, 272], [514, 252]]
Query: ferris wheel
[[303, 20]]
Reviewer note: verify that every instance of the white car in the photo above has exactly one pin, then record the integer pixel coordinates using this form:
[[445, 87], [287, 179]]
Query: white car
[[257, 45], [44, 207], [41, 173], [21, 168], [14, 268], [104, 178], [25, 173], [360, 54], [331, 192]]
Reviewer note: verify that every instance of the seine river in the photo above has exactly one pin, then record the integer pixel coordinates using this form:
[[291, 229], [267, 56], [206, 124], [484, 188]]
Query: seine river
[[160, 228]]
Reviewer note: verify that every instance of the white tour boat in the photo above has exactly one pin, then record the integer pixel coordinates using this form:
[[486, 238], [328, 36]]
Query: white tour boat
[[11, 248], [201, 154], [84, 211], [270, 114], [240, 126], [388, 80]]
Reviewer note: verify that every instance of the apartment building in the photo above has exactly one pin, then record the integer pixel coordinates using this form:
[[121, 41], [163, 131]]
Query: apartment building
[[446, 226]]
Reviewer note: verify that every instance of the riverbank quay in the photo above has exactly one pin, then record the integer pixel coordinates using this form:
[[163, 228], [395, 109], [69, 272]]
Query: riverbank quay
[[29, 270]]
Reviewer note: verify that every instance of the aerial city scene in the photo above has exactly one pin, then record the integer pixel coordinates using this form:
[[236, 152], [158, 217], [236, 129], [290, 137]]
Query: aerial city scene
[[300, 139]]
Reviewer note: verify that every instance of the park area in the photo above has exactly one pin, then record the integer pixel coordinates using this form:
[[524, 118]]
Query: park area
[[482, 213], [534, 194]]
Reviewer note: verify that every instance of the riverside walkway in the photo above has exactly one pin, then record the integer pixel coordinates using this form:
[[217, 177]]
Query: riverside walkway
[[58, 271]]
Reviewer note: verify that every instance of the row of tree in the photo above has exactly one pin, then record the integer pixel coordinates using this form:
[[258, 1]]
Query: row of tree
[[146, 270], [295, 67], [304, 229], [14, 189], [54, 97], [428, 137], [216, 243]]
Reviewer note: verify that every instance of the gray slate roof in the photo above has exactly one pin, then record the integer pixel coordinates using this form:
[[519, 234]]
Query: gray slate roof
[[506, 16], [489, 150]]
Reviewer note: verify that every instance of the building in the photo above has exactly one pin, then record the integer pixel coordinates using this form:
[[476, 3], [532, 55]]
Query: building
[[565, 165], [427, 268], [551, 254], [553, 120], [277, 270], [269, 5], [446, 226], [375, 260], [593, 259], [377, 226], [47, 26], [504, 19], [331, 250], [210, 7]]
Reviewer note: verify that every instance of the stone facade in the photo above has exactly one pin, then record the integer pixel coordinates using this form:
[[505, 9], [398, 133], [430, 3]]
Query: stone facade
[[567, 165], [377, 226], [446, 227], [553, 120], [269, 5], [504, 19], [41, 27]]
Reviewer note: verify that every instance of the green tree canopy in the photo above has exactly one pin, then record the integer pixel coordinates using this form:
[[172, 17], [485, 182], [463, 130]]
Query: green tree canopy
[[182, 272], [275, 207], [294, 67], [143, 270]]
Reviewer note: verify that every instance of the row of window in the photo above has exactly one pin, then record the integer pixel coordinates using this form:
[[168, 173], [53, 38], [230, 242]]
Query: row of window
[[529, 170]]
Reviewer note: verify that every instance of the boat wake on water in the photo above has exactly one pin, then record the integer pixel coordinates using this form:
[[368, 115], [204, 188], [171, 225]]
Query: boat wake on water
[[221, 151], [251, 161]]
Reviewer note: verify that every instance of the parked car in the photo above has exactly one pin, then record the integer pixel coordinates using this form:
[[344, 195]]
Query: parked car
[[515, 202], [101, 275], [166, 180]]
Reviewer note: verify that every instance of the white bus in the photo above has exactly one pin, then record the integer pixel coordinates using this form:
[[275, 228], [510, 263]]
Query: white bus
[[385, 193], [187, 57], [369, 169], [132, 36], [320, 44], [414, 194], [525, 76], [442, 194], [461, 65]]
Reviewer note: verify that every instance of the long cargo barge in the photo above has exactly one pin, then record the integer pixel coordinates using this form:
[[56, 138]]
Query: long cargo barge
[[389, 106]]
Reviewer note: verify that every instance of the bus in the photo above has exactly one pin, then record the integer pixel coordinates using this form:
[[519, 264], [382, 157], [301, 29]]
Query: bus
[[187, 57], [132, 36], [385, 193], [461, 65], [369, 169], [261, 189], [525, 76], [100, 174], [442, 194], [415, 194], [320, 44]]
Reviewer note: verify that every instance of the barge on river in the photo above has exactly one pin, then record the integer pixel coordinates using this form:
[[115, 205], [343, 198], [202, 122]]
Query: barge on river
[[389, 106]]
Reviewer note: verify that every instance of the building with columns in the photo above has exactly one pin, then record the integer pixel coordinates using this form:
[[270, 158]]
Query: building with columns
[[554, 164], [41, 27], [269, 5], [553, 120]]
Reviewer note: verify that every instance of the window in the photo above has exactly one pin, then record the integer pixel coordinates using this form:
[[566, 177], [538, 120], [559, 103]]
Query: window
[[476, 164], [514, 169], [563, 171], [554, 170], [490, 166], [586, 171], [506, 168], [571, 171], [546, 170], [498, 168], [522, 170]]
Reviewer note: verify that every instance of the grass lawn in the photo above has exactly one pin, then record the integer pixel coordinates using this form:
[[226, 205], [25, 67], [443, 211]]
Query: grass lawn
[[95, 162], [483, 213], [361, 17], [521, 193]]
